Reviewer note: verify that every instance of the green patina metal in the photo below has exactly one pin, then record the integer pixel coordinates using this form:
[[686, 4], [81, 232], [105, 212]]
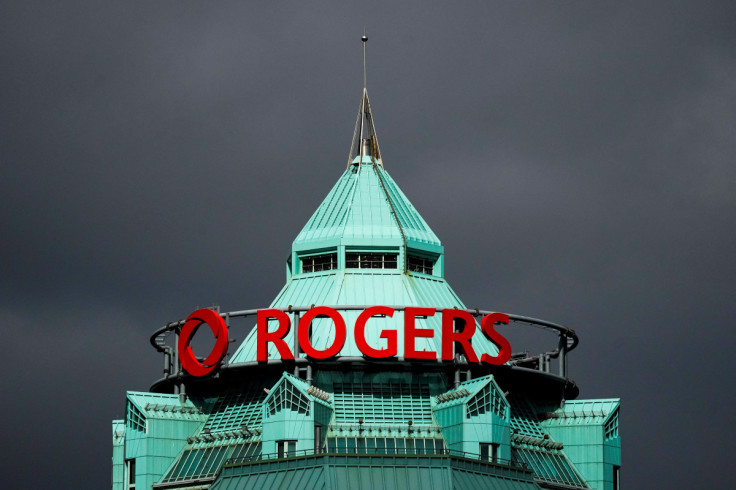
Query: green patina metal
[[475, 413], [291, 413], [356, 216], [368, 472], [363, 423], [357, 212], [118, 453], [592, 442], [155, 433]]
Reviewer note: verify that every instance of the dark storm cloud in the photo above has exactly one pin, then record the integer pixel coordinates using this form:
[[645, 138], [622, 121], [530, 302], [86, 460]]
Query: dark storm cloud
[[576, 159]]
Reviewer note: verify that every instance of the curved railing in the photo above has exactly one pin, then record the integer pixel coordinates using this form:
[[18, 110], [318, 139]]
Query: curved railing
[[567, 338]]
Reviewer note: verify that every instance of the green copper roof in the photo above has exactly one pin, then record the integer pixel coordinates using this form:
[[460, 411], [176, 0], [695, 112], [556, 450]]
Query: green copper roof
[[301, 386], [373, 287], [583, 412], [374, 472], [366, 207], [461, 394], [365, 212], [164, 406], [358, 211]]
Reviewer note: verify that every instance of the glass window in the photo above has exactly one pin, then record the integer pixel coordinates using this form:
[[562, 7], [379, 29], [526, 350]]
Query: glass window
[[286, 448], [390, 448], [420, 446], [486, 451], [400, 446], [317, 263], [130, 474], [381, 445], [420, 264], [410, 446], [364, 260]]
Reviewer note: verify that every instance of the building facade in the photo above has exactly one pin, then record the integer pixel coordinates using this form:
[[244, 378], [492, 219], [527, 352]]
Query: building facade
[[393, 414]]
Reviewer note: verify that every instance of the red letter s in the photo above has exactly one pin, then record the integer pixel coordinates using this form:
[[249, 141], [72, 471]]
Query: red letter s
[[504, 352]]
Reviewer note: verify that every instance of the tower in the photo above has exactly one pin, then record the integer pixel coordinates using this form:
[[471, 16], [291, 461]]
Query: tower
[[328, 391]]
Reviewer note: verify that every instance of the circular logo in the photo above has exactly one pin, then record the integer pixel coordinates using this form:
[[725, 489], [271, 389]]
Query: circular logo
[[219, 330]]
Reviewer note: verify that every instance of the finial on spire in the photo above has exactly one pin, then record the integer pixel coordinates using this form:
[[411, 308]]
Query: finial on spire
[[365, 40]]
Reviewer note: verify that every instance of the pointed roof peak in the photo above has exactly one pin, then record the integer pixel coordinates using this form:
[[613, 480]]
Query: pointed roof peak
[[364, 147]]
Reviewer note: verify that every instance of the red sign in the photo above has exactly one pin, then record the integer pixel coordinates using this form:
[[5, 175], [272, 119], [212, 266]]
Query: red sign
[[219, 330], [451, 339]]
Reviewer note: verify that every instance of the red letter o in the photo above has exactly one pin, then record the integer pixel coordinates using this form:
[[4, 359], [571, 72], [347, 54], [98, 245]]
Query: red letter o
[[340, 333], [219, 330]]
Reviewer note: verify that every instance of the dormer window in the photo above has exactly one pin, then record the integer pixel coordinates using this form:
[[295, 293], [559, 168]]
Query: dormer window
[[372, 260], [317, 263], [422, 265]]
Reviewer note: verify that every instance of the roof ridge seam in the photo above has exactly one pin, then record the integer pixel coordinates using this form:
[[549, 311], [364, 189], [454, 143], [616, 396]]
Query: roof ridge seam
[[393, 212], [351, 199]]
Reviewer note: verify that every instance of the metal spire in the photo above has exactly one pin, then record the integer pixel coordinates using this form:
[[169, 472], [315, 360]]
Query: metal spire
[[365, 41], [364, 136]]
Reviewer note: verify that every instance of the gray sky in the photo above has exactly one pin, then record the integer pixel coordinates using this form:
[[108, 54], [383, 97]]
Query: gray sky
[[575, 158]]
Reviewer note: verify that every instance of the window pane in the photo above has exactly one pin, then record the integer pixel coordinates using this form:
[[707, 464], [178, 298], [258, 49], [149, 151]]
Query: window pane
[[316, 263], [410, 446], [131, 473], [381, 445], [399, 446], [420, 446], [354, 260], [420, 264]]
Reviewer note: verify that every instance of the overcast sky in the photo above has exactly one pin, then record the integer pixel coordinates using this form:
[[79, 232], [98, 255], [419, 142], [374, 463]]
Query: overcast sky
[[575, 158]]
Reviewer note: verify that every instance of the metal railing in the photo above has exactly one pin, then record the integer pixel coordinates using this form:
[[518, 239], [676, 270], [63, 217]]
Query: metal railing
[[377, 452]]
